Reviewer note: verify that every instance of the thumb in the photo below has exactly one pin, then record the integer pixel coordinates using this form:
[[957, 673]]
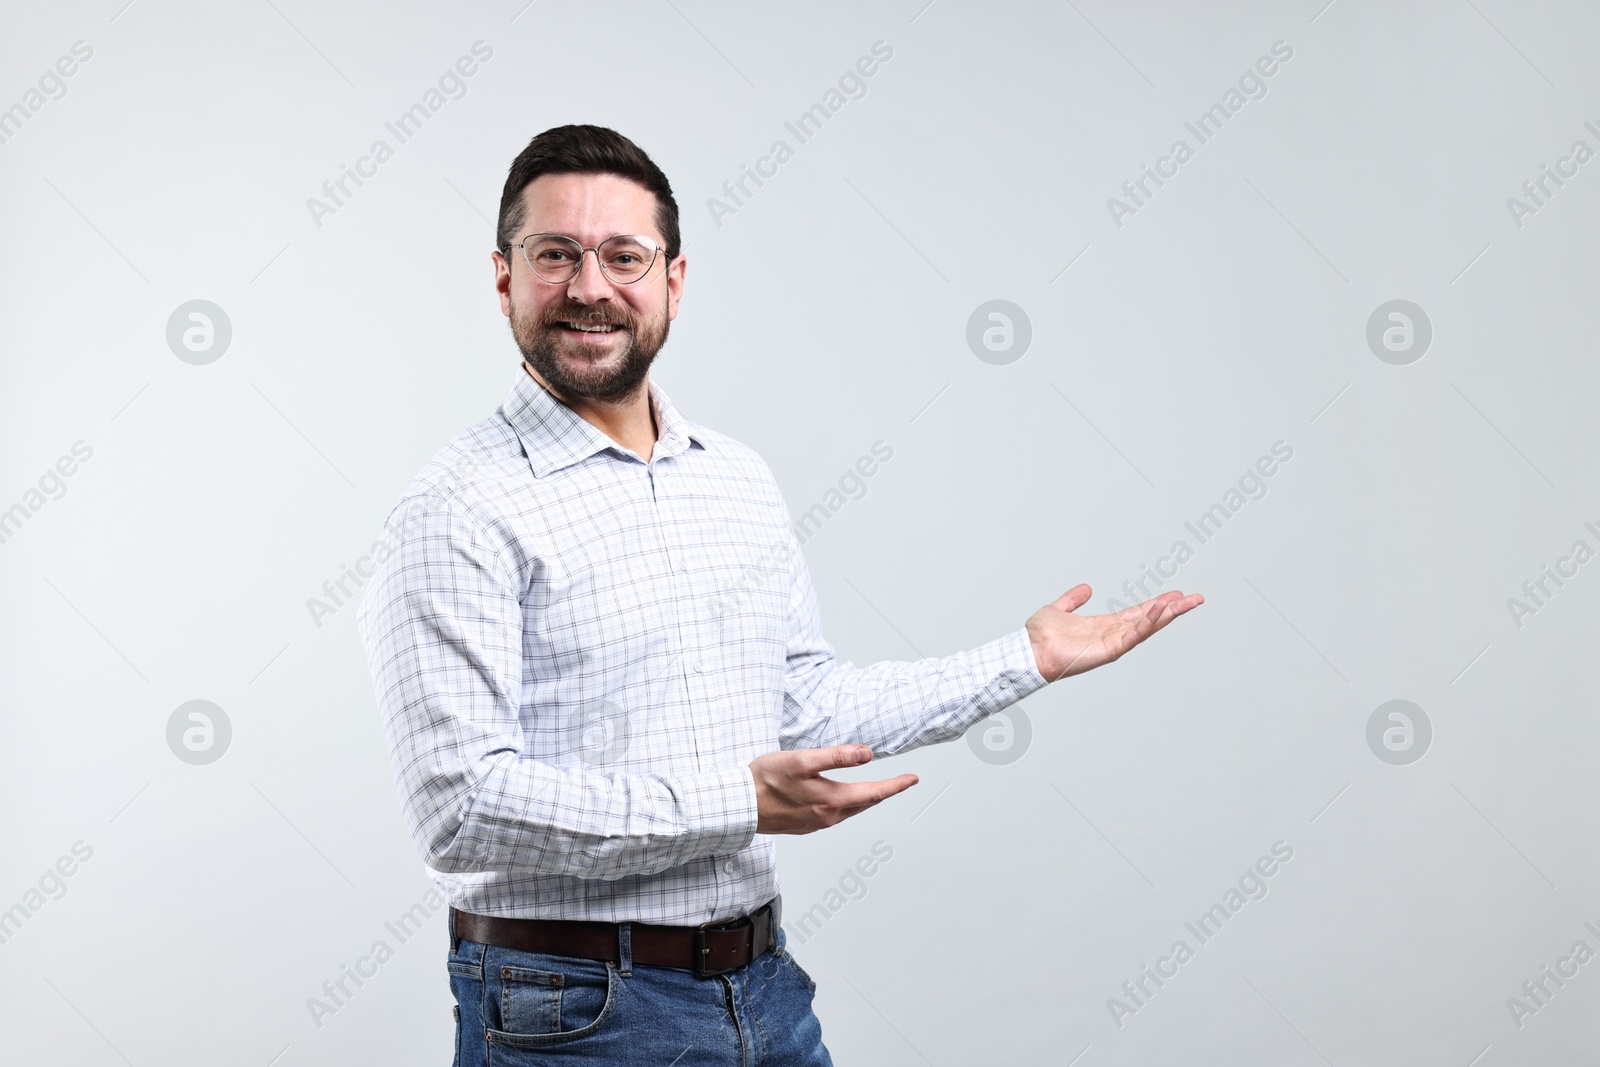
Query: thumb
[[817, 760], [1073, 598]]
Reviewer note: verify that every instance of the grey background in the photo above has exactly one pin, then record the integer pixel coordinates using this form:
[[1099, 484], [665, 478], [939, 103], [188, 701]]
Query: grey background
[[828, 312]]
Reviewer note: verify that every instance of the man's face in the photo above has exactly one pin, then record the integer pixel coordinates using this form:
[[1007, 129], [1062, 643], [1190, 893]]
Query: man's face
[[604, 366]]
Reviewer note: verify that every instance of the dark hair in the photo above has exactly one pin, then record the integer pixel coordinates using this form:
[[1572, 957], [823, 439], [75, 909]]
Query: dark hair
[[585, 150]]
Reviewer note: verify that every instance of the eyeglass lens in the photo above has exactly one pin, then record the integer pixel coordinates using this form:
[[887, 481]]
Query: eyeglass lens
[[556, 259]]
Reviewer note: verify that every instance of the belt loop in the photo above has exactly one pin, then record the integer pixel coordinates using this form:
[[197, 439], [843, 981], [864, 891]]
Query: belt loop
[[625, 947], [455, 942]]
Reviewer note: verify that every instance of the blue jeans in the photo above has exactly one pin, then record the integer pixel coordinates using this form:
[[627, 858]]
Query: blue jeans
[[515, 1007]]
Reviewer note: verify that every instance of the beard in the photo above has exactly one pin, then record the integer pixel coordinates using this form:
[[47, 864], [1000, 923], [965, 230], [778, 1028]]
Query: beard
[[574, 367]]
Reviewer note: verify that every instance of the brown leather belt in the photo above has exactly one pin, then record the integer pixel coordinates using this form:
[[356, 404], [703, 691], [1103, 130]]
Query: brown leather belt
[[709, 949]]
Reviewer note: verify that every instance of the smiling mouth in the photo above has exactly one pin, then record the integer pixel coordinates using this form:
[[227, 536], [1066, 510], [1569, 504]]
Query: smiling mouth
[[590, 328]]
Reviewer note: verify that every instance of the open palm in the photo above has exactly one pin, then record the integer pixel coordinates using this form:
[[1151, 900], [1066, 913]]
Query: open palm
[[1066, 644]]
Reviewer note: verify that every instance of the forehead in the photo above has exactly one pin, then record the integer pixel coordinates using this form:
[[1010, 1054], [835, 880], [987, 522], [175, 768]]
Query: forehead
[[591, 207]]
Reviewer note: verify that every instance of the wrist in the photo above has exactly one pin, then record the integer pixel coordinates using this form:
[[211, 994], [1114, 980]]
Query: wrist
[[1037, 653]]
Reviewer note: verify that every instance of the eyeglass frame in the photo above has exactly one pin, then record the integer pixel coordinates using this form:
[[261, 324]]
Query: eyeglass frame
[[656, 246]]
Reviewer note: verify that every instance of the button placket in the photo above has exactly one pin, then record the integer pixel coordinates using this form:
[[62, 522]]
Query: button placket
[[682, 586]]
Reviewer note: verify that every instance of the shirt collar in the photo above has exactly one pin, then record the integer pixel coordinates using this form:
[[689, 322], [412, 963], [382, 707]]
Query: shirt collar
[[554, 436]]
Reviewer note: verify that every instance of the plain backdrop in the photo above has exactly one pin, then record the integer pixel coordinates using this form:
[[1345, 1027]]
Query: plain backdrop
[[1173, 341]]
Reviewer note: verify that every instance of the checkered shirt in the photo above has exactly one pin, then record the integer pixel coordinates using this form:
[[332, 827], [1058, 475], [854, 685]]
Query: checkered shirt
[[578, 652]]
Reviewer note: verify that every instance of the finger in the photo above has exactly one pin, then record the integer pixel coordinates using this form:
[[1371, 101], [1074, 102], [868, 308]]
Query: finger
[[1148, 623], [1152, 619], [1156, 603], [1073, 598], [1160, 615], [1140, 610], [810, 761], [1175, 606], [866, 794], [856, 809]]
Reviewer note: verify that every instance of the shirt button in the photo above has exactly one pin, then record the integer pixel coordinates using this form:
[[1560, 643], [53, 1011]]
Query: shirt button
[[728, 866], [1005, 683], [699, 666]]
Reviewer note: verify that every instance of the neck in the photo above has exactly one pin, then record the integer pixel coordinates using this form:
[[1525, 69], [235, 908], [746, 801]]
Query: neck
[[630, 422]]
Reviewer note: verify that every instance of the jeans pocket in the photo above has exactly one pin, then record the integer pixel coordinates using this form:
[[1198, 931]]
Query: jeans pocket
[[547, 1000]]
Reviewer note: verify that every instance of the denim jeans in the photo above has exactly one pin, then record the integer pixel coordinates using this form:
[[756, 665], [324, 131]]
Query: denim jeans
[[515, 1007]]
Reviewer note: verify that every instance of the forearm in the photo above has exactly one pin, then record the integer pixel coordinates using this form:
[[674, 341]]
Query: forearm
[[525, 816], [895, 706]]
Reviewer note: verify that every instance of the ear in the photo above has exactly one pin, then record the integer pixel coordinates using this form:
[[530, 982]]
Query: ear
[[502, 281], [675, 273]]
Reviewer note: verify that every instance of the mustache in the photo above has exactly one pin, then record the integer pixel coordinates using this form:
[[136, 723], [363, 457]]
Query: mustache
[[593, 316]]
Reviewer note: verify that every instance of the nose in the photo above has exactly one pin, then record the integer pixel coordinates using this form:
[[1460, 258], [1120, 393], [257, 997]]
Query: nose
[[590, 284]]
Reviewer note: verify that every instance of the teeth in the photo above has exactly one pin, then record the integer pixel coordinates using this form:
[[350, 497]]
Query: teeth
[[588, 329]]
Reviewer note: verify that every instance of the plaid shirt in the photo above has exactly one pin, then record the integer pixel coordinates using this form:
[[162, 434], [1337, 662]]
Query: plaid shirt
[[577, 653]]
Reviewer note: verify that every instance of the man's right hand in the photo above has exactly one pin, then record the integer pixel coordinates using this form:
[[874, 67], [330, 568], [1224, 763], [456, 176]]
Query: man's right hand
[[792, 797]]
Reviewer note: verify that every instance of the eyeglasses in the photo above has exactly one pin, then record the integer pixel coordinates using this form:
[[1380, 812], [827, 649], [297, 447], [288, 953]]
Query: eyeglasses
[[623, 259]]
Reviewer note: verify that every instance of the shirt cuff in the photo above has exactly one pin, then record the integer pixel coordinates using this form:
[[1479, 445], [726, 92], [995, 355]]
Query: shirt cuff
[[1005, 673], [721, 811], [1018, 675]]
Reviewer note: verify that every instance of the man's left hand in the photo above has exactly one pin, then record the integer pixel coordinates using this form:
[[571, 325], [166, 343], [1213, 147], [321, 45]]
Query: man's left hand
[[1066, 644]]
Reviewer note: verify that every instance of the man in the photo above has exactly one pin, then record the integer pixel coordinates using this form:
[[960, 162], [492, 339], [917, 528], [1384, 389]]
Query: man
[[600, 661]]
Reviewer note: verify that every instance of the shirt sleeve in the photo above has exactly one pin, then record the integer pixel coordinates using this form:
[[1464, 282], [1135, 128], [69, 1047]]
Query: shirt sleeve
[[442, 624], [891, 706]]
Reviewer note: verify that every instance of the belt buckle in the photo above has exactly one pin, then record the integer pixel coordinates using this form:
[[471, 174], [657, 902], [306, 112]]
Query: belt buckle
[[700, 949]]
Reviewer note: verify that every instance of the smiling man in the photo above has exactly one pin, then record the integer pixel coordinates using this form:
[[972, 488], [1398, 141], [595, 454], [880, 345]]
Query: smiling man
[[592, 749]]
